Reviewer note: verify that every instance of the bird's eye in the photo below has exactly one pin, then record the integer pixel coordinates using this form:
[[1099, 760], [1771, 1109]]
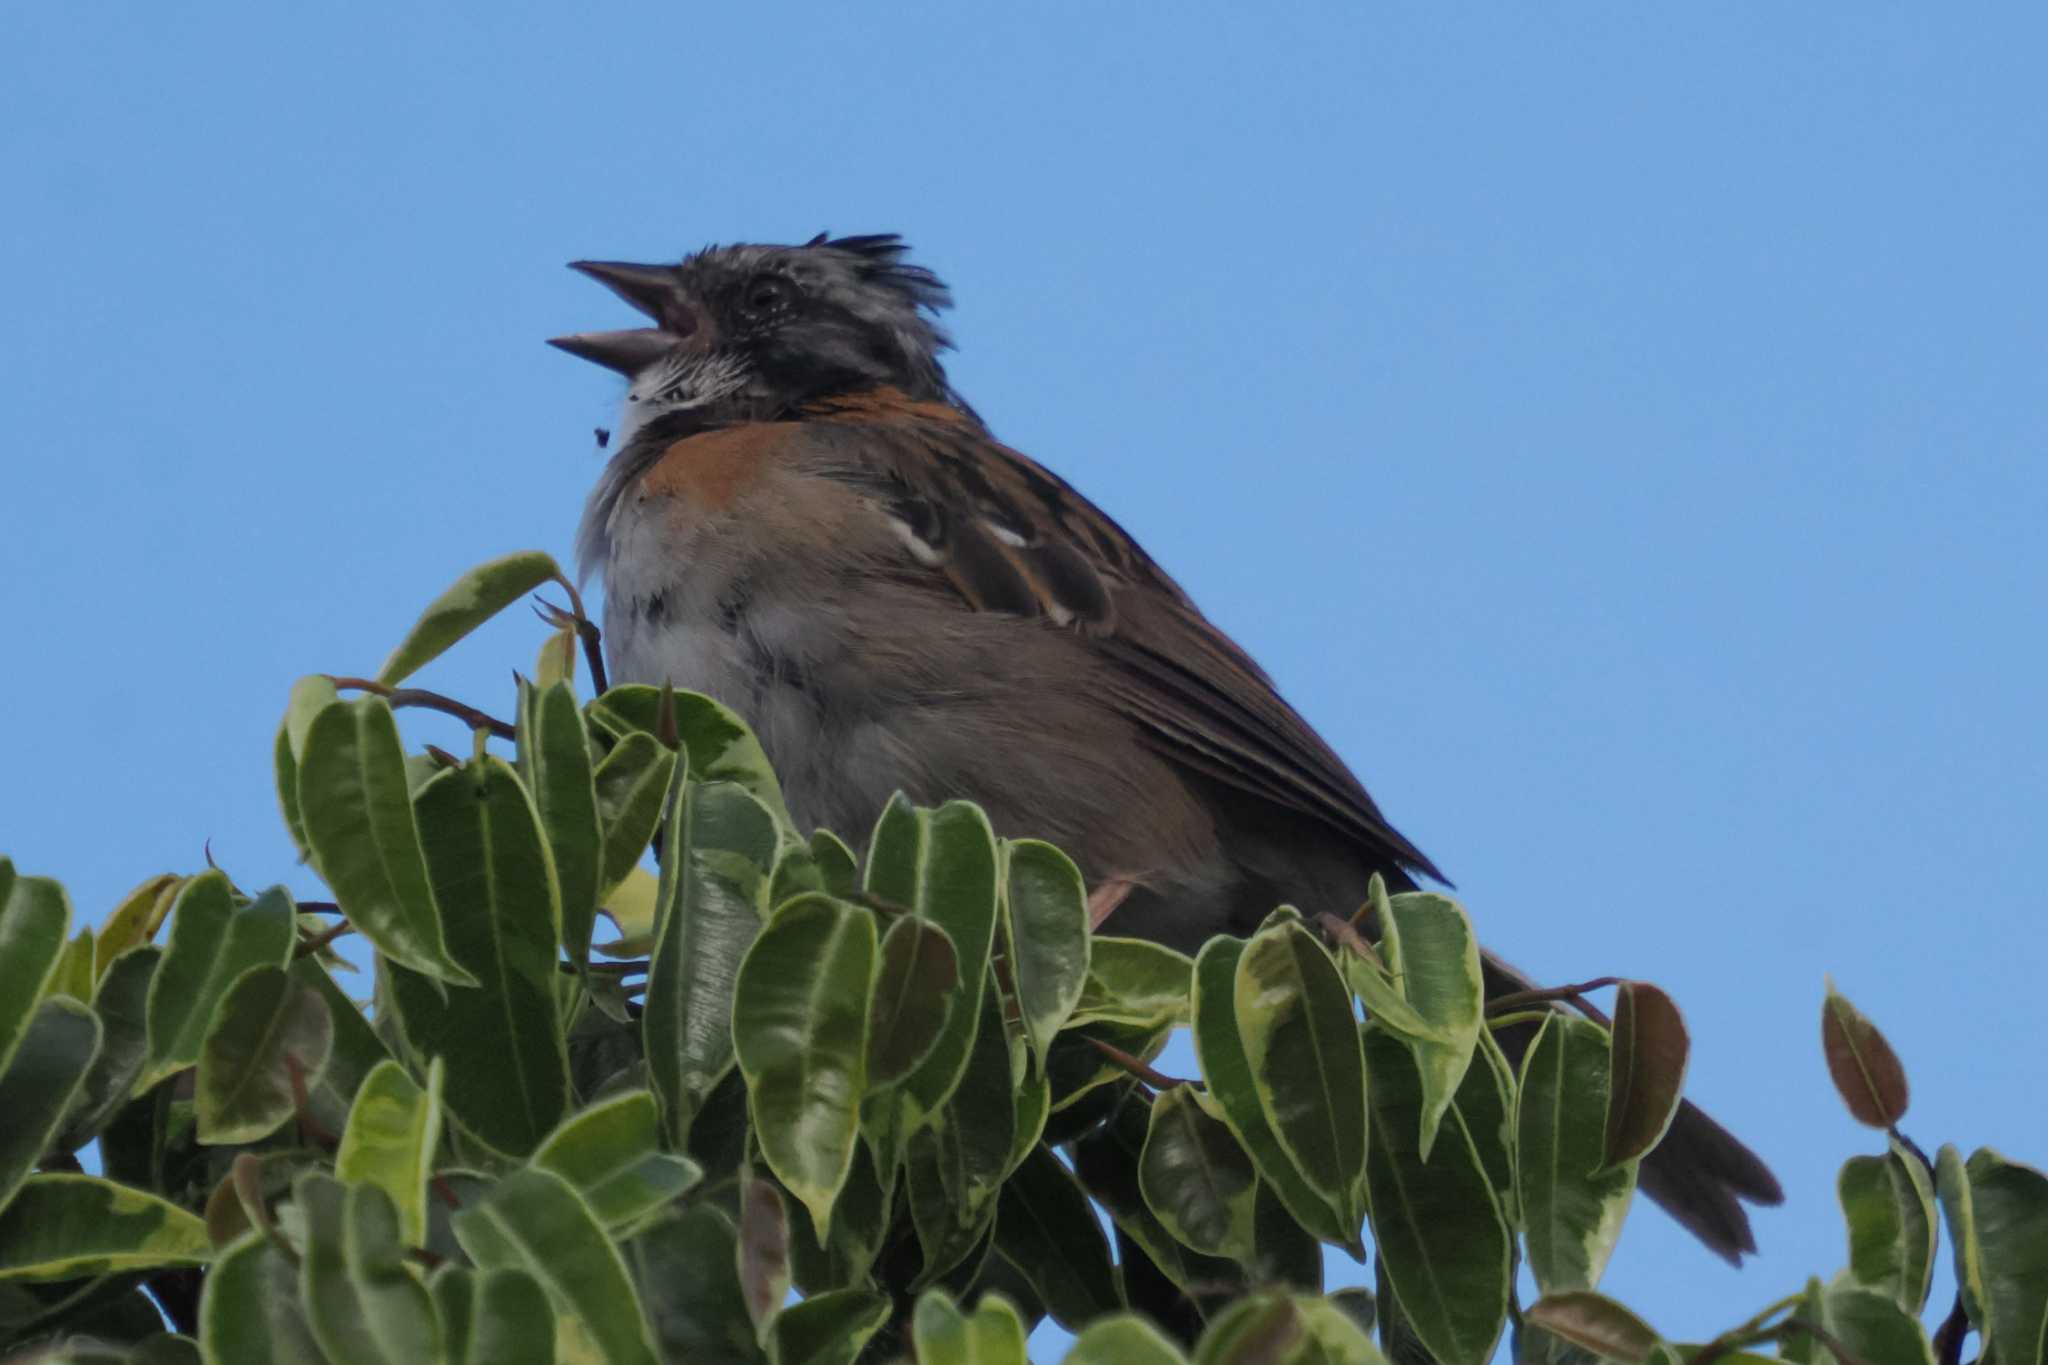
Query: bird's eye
[[766, 294]]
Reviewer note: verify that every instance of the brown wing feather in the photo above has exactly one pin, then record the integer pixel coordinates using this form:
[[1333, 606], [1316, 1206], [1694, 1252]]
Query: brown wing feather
[[1006, 534]]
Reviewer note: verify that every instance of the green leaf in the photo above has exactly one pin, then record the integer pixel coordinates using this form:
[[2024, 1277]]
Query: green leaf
[[1047, 1230], [2010, 1203], [1594, 1322], [1122, 1340], [264, 1027], [35, 920], [508, 1062], [1133, 981], [1045, 908], [393, 1129], [67, 1227], [1889, 1208], [630, 785], [631, 906], [134, 921], [1866, 1071], [363, 1304], [468, 602], [1432, 950], [554, 752], [959, 1161], [360, 822], [826, 1329], [513, 1322], [1870, 1323], [1196, 1177], [1301, 1043], [943, 1335], [121, 1001], [838, 869], [50, 1065], [1106, 1161], [800, 1022], [916, 978], [1227, 1073], [1263, 1329], [1486, 1101], [1441, 1238], [310, 695], [1646, 1071], [1958, 1210], [250, 1313], [357, 1048], [688, 1275], [939, 865], [611, 1153], [1572, 1203], [720, 746], [72, 976], [535, 1221], [1336, 1335], [720, 845], [211, 943]]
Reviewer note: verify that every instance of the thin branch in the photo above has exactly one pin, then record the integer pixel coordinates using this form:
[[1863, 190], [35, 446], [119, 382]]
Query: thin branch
[[1134, 1065], [401, 697], [1547, 994], [308, 947]]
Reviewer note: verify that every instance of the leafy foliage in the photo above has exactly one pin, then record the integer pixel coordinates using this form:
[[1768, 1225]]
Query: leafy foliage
[[813, 1107]]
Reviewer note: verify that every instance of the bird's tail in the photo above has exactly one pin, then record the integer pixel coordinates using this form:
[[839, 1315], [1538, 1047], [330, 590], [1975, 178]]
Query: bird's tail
[[1700, 1174]]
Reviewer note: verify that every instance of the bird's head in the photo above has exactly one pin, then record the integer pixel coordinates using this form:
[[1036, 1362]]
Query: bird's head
[[747, 333]]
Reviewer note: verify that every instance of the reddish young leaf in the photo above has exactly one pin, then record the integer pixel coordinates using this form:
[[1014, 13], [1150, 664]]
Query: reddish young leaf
[[1646, 1071], [1865, 1069]]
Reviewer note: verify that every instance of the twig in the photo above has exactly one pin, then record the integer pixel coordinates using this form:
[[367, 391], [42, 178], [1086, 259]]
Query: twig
[[401, 697], [310, 946], [1948, 1338], [319, 908], [1546, 994], [1134, 1065], [591, 636]]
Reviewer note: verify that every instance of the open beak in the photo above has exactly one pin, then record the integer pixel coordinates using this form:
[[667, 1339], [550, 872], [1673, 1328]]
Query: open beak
[[628, 352]]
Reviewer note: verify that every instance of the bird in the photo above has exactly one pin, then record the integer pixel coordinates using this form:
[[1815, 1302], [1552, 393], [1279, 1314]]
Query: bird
[[801, 517]]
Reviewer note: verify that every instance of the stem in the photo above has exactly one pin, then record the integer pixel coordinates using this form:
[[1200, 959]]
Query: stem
[[401, 697], [1546, 994], [1134, 1065], [310, 946]]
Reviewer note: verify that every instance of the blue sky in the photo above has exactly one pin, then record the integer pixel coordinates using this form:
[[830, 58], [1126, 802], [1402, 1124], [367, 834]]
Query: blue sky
[[1619, 428]]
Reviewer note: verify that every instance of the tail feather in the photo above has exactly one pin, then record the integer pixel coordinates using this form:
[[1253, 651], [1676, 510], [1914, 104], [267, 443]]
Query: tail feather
[[1700, 1173]]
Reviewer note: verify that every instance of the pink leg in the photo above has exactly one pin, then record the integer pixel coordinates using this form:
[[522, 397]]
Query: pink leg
[[1106, 897]]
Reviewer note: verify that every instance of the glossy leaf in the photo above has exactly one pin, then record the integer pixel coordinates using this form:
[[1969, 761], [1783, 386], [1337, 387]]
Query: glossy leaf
[[50, 1066], [535, 1221], [1196, 1178], [65, 1227], [35, 921], [916, 979], [1958, 1210], [826, 1329], [943, 1335], [360, 822], [1124, 1339], [1265, 1329], [939, 865], [135, 920], [357, 1048], [687, 1270], [630, 906], [1890, 1216], [1047, 1230], [1866, 1071], [720, 746], [513, 1321], [958, 1162], [309, 696], [1301, 1043], [362, 1303], [554, 753], [2010, 1203], [72, 975], [1873, 1328], [630, 786], [1227, 1073], [800, 1023], [719, 848], [763, 1250], [121, 1002], [1572, 1204], [611, 1153], [1045, 906], [508, 1065], [250, 1313], [211, 944], [1440, 1235], [1133, 981], [1646, 1071], [1595, 1322], [394, 1127], [467, 603], [269, 1038], [1434, 954]]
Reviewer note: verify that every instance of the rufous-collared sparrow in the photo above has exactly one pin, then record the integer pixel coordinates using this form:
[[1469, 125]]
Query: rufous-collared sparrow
[[804, 520]]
